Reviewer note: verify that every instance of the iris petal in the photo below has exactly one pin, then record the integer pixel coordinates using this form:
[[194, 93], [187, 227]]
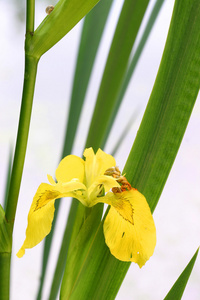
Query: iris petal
[[96, 165], [129, 228], [69, 168], [41, 213]]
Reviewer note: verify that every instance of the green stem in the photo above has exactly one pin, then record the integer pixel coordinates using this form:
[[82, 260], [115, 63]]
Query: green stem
[[17, 168], [5, 275], [22, 137], [7, 222], [30, 16]]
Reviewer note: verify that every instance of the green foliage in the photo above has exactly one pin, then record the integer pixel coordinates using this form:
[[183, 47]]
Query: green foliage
[[178, 288], [125, 34], [66, 14], [156, 144], [170, 104], [91, 272]]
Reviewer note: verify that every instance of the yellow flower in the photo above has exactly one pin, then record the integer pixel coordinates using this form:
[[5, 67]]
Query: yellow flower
[[128, 228]]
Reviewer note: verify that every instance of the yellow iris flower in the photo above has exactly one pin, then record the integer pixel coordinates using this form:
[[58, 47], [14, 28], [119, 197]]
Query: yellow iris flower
[[129, 228]]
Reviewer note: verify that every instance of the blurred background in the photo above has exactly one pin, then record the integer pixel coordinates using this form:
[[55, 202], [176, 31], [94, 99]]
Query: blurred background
[[177, 213]]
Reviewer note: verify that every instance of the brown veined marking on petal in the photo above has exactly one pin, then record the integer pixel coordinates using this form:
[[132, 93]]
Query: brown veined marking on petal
[[124, 208], [44, 198]]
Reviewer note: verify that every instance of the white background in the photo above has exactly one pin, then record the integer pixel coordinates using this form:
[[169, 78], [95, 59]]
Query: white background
[[176, 215]]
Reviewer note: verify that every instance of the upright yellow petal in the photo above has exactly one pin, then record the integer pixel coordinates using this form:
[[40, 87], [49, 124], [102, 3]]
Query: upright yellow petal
[[129, 228], [41, 213], [69, 168], [96, 165]]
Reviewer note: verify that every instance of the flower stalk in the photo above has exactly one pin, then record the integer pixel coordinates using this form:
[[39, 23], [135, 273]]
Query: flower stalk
[[22, 137]]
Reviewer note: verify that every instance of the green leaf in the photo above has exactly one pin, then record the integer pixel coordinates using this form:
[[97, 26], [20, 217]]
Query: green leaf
[[125, 34], [66, 14], [79, 248], [90, 38], [132, 65], [178, 288], [156, 145]]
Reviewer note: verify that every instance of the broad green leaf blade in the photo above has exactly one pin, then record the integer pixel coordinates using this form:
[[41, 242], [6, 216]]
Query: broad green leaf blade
[[178, 288], [131, 67], [125, 34], [92, 31], [66, 14], [157, 142]]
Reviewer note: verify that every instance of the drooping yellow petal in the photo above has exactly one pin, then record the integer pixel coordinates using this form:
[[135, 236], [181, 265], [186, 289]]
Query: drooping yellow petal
[[41, 213], [69, 168], [129, 228], [96, 165]]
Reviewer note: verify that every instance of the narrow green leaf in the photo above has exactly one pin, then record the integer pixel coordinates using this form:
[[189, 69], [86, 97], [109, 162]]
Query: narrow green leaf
[[90, 38], [82, 241], [131, 67], [125, 34], [66, 14], [157, 142], [178, 288]]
